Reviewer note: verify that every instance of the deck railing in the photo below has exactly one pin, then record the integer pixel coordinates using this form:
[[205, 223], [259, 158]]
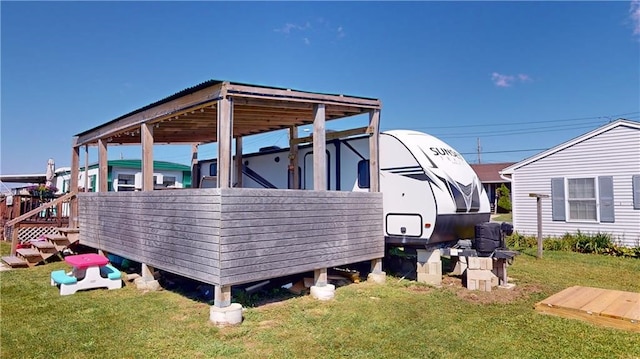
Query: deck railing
[[47, 214]]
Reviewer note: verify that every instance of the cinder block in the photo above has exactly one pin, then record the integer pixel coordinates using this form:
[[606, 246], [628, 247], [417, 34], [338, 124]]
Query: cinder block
[[473, 263], [460, 267], [486, 263], [432, 279], [472, 284], [425, 256], [484, 285]]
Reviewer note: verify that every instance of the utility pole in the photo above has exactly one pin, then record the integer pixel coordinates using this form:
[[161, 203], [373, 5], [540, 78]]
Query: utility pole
[[479, 151]]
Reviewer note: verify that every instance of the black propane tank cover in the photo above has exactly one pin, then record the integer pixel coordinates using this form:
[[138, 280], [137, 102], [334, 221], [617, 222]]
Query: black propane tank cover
[[506, 228]]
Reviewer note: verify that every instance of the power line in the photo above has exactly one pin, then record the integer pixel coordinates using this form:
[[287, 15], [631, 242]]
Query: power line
[[605, 117], [506, 151]]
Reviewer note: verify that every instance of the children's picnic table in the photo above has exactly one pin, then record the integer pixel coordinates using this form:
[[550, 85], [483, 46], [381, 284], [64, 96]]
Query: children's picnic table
[[89, 271]]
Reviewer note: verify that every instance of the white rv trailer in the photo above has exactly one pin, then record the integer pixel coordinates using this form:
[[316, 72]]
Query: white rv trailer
[[431, 196]]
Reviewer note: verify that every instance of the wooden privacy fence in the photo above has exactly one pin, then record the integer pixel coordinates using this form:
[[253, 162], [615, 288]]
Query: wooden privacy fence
[[235, 235]]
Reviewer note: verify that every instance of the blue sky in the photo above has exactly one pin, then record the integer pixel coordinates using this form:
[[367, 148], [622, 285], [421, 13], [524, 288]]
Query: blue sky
[[517, 76]]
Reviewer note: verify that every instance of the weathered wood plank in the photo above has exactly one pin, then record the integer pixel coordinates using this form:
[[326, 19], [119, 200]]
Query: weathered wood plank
[[100, 230], [124, 211], [268, 240], [178, 224], [259, 222], [259, 192], [274, 211], [257, 254], [262, 272], [238, 228]]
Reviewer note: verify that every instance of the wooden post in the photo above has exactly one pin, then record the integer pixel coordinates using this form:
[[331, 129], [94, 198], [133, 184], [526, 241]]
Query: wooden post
[[539, 198], [320, 277], [146, 137], [103, 167], [238, 161], [15, 238], [374, 170], [195, 171], [294, 174], [86, 168], [73, 183], [374, 155], [224, 142], [222, 296], [319, 149]]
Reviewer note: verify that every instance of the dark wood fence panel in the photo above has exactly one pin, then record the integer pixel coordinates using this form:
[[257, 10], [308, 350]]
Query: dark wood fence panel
[[172, 230], [271, 233]]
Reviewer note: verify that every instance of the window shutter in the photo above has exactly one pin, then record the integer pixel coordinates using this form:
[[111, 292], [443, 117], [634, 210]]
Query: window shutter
[[636, 191], [557, 199], [605, 189]]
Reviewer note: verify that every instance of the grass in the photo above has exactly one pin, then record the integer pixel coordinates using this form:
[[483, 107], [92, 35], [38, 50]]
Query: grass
[[504, 217], [400, 319]]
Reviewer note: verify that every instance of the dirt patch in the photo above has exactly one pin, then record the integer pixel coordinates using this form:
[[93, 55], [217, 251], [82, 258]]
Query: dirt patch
[[419, 289], [496, 296]]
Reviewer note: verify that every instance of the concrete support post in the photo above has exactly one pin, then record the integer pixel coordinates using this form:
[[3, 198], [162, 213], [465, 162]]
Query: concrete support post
[[321, 289], [223, 312], [147, 280], [377, 275], [429, 267]]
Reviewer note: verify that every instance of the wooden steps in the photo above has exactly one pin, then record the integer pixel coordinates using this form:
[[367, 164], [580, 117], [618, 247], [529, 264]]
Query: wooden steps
[[40, 251], [15, 262], [611, 308]]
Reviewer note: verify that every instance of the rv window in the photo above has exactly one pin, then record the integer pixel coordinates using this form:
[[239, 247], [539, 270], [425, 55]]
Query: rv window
[[213, 169], [363, 174]]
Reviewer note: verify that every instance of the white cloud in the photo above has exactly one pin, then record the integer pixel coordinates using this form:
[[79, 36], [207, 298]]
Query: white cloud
[[502, 80], [286, 29], [634, 11], [306, 41], [340, 31]]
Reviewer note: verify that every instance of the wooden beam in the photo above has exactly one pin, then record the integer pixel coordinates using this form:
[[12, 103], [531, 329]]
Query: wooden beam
[[195, 170], [146, 134], [319, 149], [238, 162], [73, 183], [294, 174], [201, 98], [374, 154], [103, 167], [238, 90], [333, 135], [224, 142]]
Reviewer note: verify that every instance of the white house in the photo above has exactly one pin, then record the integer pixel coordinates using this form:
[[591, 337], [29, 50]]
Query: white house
[[126, 175], [593, 184]]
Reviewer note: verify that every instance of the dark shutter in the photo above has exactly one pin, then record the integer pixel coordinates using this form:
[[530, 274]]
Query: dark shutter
[[605, 189], [636, 191], [557, 199]]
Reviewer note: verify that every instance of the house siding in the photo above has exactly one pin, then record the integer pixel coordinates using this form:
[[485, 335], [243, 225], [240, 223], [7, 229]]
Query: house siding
[[615, 153]]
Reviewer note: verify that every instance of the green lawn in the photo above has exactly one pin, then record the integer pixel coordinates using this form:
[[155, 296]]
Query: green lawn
[[400, 319]]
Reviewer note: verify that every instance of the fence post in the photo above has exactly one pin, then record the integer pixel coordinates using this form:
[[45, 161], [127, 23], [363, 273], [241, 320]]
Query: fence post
[[539, 198]]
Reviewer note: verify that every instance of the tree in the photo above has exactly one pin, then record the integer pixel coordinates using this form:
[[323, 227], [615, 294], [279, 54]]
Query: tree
[[504, 199]]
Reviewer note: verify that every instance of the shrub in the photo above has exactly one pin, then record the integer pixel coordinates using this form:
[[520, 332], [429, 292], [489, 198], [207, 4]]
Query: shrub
[[504, 200], [599, 243]]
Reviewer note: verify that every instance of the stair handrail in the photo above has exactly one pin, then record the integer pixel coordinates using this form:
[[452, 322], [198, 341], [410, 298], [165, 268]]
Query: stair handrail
[[12, 223], [40, 209]]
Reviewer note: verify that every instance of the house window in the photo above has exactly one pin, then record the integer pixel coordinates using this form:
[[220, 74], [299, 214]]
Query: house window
[[213, 169], [168, 181], [92, 183], [581, 197], [126, 182]]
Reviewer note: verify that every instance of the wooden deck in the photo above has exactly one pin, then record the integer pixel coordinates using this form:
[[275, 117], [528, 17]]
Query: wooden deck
[[610, 308]]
